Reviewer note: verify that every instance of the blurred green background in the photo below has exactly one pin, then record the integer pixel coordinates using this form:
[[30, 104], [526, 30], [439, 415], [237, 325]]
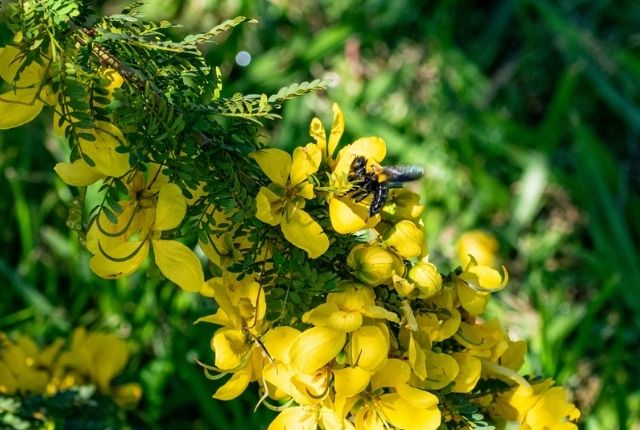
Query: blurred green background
[[526, 117]]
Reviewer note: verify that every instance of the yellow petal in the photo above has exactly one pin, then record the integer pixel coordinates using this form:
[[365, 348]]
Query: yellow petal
[[275, 163], [469, 374], [18, 107], [316, 347], [108, 356], [368, 348], [304, 232], [103, 152], [115, 80], [296, 417], [305, 190], [208, 289], [352, 296], [30, 76], [417, 358], [235, 386], [219, 318], [230, 347], [306, 161], [350, 381], [484, 278], [171, 208], [103, 234], [321, 314], [419, 399], [378, 312], [482, 246], [337, 128], [128, 257], [471, 300], [268, 206], [78, 173], [316, 131], [372, 148], [441, 370], [278, 341], [278, 382], [8, 383], [49, 354], [553, 410], [513, 358], [345, 321], [346, 216], [406, 416], [179, 264], [406, 238]]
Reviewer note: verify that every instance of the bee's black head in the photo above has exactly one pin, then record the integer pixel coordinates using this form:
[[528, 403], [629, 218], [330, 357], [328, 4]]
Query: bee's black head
[[358, 168]]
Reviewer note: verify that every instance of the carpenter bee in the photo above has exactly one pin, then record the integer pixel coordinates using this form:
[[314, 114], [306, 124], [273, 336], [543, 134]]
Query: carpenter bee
[[378, 181]]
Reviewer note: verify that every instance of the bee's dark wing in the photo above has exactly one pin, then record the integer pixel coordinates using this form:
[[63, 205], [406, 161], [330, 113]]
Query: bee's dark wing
[[399, 174]]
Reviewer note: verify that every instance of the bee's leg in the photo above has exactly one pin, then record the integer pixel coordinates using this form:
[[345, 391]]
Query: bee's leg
[[380, 195], [360, 194]]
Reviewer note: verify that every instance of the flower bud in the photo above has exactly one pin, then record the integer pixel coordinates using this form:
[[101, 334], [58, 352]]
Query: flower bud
[[406, 238], [427, 279], [481, 245], [403, 204], [373, 264]]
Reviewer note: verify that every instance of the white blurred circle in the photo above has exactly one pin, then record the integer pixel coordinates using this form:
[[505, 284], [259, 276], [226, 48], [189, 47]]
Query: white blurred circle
[[243, 58]]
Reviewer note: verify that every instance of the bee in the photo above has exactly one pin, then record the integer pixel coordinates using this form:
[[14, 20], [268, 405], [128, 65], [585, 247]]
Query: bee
[[378, 181]]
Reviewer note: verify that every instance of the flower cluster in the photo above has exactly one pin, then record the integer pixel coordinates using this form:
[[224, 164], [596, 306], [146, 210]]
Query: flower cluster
[[92, 358], [396, 344]]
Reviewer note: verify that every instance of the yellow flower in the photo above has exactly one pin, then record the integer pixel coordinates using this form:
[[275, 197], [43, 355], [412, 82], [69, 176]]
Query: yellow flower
[[147, 217], [346, 215], [393, 402], [475, 283], [101, 356], [240, 313], [544, 407], [282, 202], [19, 367], [93, 358], [25, 100], [344, 312], [102, 150], [486, 340]]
